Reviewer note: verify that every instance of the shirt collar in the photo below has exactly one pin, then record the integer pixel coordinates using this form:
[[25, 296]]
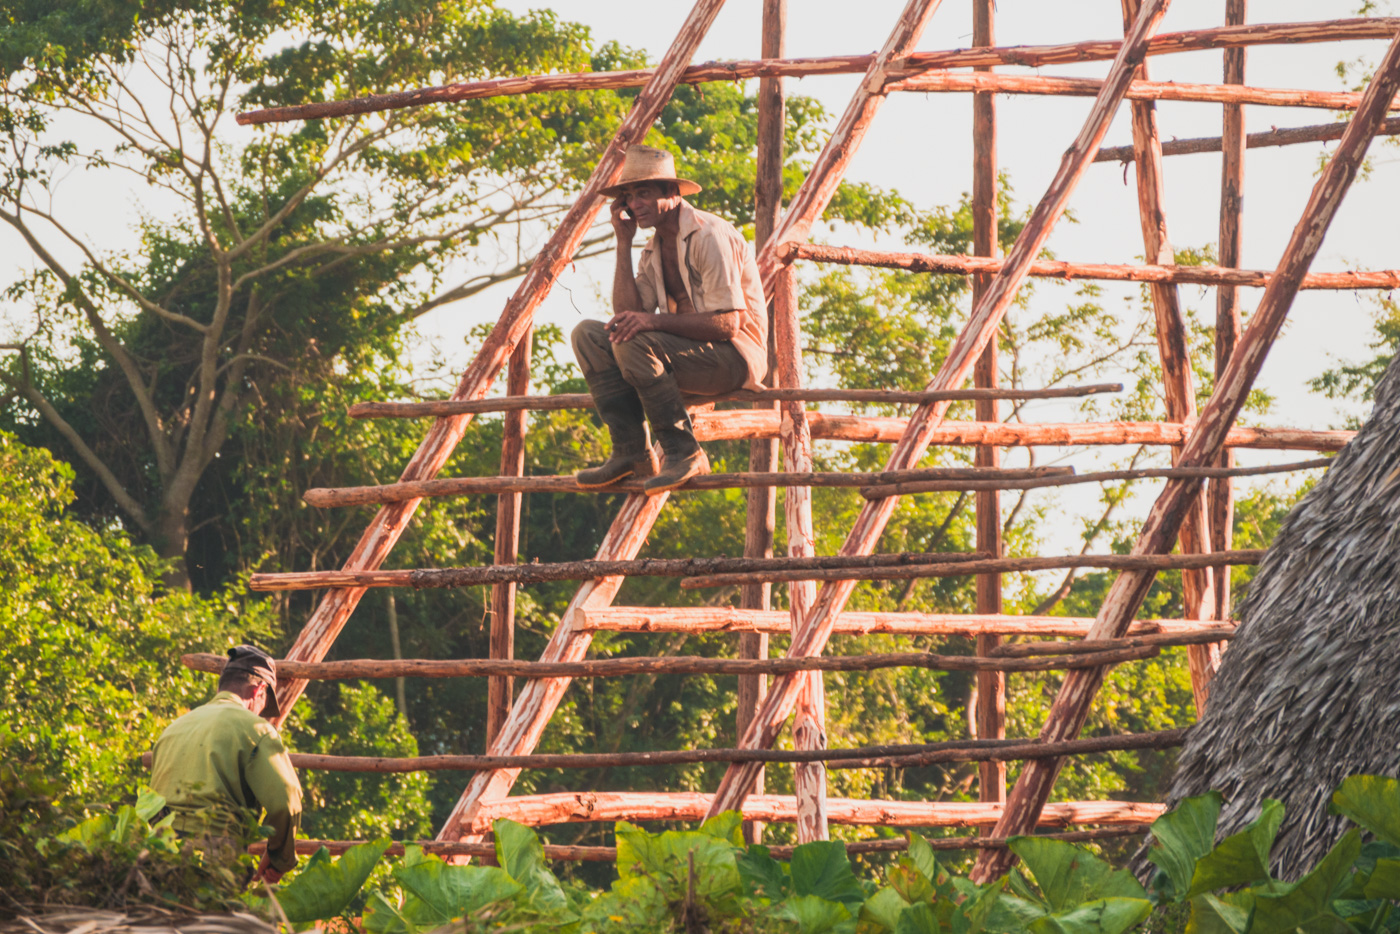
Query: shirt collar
[[688, 222]]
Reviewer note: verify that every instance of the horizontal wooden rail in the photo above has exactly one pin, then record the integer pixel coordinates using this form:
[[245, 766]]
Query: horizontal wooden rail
[[901, 755], [950, 479], [957, 265], [909, 487], [667, 664], [576, 807], [701, 619], [1206, 635], [1289, 136], [983, 566], [701, 572], [1100, 50], [608, 854], [583, 400], [1139, 90]]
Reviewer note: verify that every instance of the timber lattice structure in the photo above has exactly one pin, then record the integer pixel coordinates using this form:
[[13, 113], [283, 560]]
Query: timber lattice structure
[[1193, 509]]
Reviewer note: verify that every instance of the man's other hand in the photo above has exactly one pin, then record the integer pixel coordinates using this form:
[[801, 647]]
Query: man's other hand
[[626, 325], [623, 225], [266, 873]]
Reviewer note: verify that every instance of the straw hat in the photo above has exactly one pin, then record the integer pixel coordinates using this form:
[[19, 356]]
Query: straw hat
[[645, 164]]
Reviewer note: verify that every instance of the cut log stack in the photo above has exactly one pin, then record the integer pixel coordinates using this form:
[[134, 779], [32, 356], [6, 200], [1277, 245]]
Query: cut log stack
[[1193, 510]]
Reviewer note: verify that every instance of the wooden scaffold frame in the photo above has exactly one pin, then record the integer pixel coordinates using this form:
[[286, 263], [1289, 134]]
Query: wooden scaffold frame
[[1193, 510]]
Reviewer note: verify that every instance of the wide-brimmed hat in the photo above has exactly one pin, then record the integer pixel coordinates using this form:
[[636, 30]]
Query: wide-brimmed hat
[[646, 164], [260, 665]]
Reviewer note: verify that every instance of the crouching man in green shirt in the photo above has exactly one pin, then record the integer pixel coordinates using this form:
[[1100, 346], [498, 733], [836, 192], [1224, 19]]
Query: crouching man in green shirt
[[221, 763]]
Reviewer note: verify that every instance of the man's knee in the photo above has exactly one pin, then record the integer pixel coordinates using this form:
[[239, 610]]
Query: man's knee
[[642, 359], [592, 349]]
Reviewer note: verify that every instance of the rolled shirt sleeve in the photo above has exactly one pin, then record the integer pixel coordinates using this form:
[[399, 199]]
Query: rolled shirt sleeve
[[273, 781]]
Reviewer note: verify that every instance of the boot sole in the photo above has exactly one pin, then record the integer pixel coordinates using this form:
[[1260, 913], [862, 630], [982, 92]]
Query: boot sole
[[702, 470], [603, 486]]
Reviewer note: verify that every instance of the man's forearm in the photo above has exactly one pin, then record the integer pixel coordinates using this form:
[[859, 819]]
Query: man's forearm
[[701, 326], [625, 295]]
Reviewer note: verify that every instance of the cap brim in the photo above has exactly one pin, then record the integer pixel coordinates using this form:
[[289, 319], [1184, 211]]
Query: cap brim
[[686, 186]]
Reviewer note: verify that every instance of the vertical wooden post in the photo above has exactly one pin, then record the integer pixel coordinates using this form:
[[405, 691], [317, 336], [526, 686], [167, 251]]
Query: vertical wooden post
[[809, 721], [990, 715], [956, 368], [331, 614], [398, 654], [1071, 707], [1220, 492], [498, 690], [1174, 351], [763, 452]]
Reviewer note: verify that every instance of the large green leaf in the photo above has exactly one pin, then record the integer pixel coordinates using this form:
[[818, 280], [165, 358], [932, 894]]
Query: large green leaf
[[762, 875], [521, 855], [817, 915], [823, 869], [452, 892], [1242, 858], [1070, 876], [918, 919], [1102, 916], [668, 857], [382, 916], [973, 913], [727, 826], [921, 854], [1221, 914], [883, 908], [910, 883], [325, 887], [1384, 881], [1182, 836], [1373, 801], [1307, 906], [149, 803]]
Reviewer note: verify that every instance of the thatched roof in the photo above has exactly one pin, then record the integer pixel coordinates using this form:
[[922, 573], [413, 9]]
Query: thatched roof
[[1309, 690]]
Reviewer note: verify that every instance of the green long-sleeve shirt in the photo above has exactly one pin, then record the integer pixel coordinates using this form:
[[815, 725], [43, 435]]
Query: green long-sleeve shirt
[[222, 758]]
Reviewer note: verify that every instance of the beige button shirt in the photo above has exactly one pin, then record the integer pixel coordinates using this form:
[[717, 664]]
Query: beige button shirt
[[721, 274]]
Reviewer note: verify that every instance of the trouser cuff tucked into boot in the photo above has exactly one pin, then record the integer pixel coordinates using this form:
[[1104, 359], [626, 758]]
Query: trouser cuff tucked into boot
[[621, 411], [683, 458]]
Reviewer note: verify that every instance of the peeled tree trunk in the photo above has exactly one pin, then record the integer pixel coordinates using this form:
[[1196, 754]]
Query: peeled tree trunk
[[1307, 693]]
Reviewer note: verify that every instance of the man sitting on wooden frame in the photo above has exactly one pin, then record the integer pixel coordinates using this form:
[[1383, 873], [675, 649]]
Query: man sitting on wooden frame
[[692, 320]]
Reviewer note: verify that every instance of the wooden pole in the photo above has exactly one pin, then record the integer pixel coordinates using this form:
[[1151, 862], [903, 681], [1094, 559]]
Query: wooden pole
[[722, 572], [908, 487], [1071, 707], [671, 665], [378, 539], [762, 502], [600, 806], [809, 720], [703, 619], [1181, 275], [978, 566], [989, 712], [498, 691], [398, 654], [912, 64], [1290, 136], [942, 82], [1220, 493], [962, 356], [1174, 354], [900, 755], [440, 407]]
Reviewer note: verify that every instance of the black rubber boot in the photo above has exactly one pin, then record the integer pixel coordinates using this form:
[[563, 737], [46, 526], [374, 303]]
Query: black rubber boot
[[621, 411], [669, 419]]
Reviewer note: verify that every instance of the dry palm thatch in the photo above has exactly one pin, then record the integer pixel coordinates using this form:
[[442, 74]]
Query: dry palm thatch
[[1309, 691]]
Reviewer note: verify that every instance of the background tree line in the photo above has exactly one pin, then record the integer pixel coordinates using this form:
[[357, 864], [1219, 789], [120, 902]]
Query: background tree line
[[166, 404]]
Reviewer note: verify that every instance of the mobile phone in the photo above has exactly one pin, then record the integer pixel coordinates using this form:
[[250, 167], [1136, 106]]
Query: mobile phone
[[627, 213]]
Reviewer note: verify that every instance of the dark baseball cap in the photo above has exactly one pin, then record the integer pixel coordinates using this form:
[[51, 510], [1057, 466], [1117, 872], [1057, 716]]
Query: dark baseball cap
[[261, 666]]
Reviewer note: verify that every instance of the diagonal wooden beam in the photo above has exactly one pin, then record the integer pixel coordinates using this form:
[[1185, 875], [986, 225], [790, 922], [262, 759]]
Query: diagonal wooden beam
[[1174, 354], [962, 357], [533, 708], [507, 543], [1072, 704], [331, 614]]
